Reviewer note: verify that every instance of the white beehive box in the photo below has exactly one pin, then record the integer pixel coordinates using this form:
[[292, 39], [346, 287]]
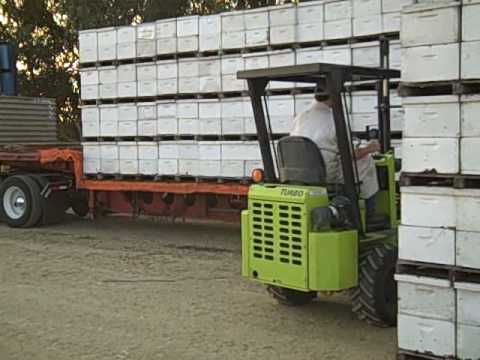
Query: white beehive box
[[361, 121], [310, 12], [249, 119], [303, 102], [187, 150], [282, 15], [188, 44], [127, 73], [90, 92], [441, 20], [167, 45], [209, 150], [167, 69], [209, 168], [108, 91], [363, 8], [127, 120], [467, 249], [336, 10], [232, 116], [364, 102], [233, 21], [432, 116], [469, 157], [366, 54], [188, 68], [90, 121], [89, 77], [395, 58], [148, 167], [468, 209], [470, 108], [127, 89], [419, 203], [126, 42], [167, 117], [278, 59], [340, 55], [167, 167], [425, 244], [468, 326], [240, 150], [431, 63], [309, 32], [91, 166], [166, 28], [282, 113], [147, 128], [147, 150], [231, 64], [107, 44], [210, 117], [389, 6], [426, 315], [232, 168], [168, 150], [470, 56], [256, 19], [146, 40], [257, 37], [309, 56], [109, 151], [428, 154], [256, 61], [338, 29], [146, 71], [107, 75], [127, 128], [110, 166], [147, 111], [188, 26], [88, 44], [210, 33], [167, 86], [147, 88], [283, 34], [233, 39], [108, 120], [391, 22], [188, 167], [91, 150], [367, 25], [127, 150], [470, 16]]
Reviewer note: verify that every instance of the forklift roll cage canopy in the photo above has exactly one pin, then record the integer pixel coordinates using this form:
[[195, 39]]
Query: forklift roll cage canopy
[[333, 77]]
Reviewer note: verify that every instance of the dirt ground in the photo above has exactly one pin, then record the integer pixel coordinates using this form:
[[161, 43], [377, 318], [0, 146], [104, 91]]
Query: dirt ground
[[121, 289]]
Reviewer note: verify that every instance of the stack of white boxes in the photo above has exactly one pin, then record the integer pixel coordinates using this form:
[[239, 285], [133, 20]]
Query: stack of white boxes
[[440, 225], [136, 74]]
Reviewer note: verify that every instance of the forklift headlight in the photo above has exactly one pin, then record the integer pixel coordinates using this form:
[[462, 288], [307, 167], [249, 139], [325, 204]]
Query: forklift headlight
[[257, 176], [321, 218]]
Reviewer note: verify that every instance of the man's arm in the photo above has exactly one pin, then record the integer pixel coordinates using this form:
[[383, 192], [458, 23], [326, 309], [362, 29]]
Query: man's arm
[[361, 152]]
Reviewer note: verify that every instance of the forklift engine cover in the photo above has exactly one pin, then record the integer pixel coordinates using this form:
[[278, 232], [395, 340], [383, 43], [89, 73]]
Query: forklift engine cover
[[281, 246]]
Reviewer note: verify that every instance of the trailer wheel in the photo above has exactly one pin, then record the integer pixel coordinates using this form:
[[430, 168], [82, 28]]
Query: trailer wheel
[[79, 202], [21, 203], [291, 297], [374, 300]]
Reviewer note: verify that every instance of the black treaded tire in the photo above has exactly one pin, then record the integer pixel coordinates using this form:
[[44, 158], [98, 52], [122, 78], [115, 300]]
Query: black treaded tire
[[291, 297], [31, 190], [374, 300], [79, 202]]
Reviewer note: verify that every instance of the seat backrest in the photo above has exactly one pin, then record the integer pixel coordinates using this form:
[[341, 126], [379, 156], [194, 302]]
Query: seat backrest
[[301, 162]]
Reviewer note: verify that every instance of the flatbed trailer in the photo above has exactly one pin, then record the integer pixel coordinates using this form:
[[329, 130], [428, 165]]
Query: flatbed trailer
[[58, 171]]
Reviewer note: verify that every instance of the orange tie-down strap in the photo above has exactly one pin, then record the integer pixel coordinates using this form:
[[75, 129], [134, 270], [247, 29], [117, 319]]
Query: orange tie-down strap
[[49, 156]]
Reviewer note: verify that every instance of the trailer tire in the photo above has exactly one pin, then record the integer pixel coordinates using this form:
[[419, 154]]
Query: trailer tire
[[374, 300], [291, 297], [20, 201]]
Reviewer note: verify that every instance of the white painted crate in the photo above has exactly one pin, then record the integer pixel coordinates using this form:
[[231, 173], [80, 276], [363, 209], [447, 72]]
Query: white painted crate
[[167, 69], [89, 76], [127, 89], [363, 8], [427, 154], [107, 44], [364, 102], [147, 128], [188, 26], [188, 167], [282, 15], [108, 91], [335, 10], [90, 121], [209, 168], [278, 59], [441, 20], [108, 120], [431, 63], [168, 150], [367, 25], [209, 150], [469, 155], [233, 39], [282, 113], [109, 166], [188, 44], [127, 150], [88, 44], [232, 168], [432, 116], [395, 5], [392, 22], [167, 167], [420, 203], [256, 19], [309, 55], [426, 244], [91, 166], [468, 209], [126, 42], [361, 121], [257, 37], [166, 28], [91, 150], [109, 150], [147, 150], [148, 167], [147, 111], [341, 55], [470, 16], [232, 116], [310, 32], [127, 73], [127, 128], [167, 117], [338, 29], [107, 75], [167, 45], [147, 88], [470, 108], [468, 327], [240, 150], [366, 54], [187, 150], [470, 56], [310, 12], [467, 249], [283, 34], [146, 71], [233, 21], [167, 86]]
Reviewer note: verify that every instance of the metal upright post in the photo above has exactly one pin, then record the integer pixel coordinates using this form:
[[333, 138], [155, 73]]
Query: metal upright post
[[383, 96]]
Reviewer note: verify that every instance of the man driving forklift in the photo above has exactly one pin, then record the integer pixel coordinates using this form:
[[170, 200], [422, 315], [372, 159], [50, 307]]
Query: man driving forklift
[[317, 123]]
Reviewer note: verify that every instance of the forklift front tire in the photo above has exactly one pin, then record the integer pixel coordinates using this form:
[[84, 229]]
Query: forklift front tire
[[374, 300], [291, 297]]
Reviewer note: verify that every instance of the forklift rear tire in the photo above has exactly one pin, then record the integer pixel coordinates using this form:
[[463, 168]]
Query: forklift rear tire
[[20, 201], [291, 297], [374, 300]]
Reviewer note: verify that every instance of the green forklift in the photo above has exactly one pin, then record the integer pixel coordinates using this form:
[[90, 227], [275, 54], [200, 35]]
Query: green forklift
[[302, 236]]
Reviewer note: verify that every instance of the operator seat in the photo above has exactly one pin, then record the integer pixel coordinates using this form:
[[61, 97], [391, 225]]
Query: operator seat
[[301, 162]]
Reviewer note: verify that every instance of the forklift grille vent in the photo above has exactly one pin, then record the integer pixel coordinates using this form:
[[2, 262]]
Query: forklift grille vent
[[278, 232]]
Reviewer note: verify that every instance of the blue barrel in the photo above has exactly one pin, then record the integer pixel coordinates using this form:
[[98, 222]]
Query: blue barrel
[[7, 56], [8, 84]]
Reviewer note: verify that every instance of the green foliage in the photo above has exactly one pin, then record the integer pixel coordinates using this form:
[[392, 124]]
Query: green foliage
[[46, 35]]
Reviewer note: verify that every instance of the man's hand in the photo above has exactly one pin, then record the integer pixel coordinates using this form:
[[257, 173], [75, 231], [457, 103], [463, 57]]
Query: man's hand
[[372, 147]]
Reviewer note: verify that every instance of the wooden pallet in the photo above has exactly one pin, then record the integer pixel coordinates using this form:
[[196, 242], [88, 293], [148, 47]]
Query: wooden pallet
[[457, 181], [426, 269], [455, 87], [411, 355]]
